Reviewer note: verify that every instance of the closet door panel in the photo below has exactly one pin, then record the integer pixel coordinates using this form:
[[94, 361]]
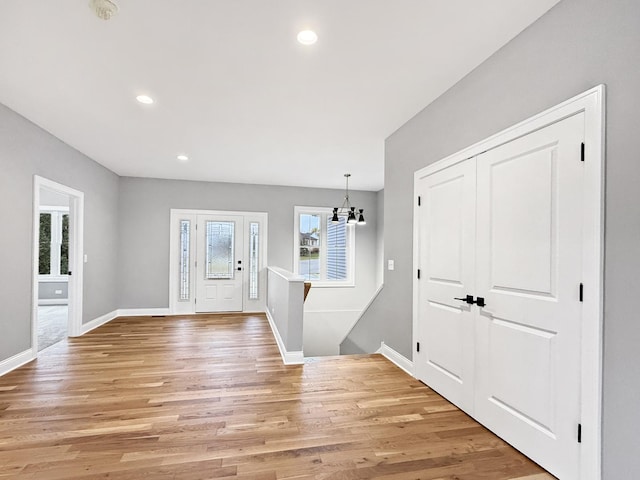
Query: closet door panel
[[446, 252], [529, 237]]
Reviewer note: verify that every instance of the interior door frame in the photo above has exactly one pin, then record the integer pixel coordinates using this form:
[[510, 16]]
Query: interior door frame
[[76, 256], [177, 307], [592, 104]]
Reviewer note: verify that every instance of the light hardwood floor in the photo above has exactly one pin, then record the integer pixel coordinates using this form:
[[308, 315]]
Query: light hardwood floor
[[208, 397]]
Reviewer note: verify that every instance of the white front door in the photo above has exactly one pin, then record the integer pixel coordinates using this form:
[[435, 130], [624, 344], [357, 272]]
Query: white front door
[[219, 263], [446, 251], [529, 269]]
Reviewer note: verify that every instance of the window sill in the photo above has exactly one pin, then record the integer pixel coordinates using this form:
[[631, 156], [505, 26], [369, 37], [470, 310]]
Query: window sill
[[53, 278]]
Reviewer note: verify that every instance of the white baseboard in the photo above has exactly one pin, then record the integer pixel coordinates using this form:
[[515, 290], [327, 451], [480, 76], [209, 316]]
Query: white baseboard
[[16, 361], [97, 322], [401, 361], [142, 312], [288, 358]]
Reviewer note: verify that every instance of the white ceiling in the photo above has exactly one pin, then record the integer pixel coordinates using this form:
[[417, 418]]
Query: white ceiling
[[233, 88]]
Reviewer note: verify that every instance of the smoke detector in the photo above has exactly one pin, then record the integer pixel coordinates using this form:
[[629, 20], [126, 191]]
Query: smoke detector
[[104, 9]]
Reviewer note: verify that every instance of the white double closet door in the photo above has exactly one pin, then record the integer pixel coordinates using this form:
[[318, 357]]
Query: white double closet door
[[506, 226]]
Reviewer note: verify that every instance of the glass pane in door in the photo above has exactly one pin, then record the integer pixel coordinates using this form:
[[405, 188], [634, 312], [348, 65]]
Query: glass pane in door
[[254, 249], [185, 261], [219, 238]]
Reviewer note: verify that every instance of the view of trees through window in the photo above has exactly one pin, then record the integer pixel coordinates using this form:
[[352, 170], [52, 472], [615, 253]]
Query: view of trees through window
[[44, 267], [64, 246], [53, 254]]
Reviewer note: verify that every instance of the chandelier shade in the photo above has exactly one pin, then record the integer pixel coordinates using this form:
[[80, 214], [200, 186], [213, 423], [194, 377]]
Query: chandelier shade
[[348, 210]]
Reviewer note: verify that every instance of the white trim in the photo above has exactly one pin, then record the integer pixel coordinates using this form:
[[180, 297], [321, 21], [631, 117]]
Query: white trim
[[43, 302], [143, 312], [288, 358], [76, 255], [98, 322], [53, 208], [53, 278], [286, 274], [592, 103], [394, 357], [16, 361]]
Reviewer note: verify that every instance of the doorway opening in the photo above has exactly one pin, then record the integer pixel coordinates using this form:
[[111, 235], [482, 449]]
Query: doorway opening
[[53, 268], [57, 263]]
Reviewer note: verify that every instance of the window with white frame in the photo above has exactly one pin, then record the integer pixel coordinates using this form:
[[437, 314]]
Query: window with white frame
[[53, 258], [324, 251]]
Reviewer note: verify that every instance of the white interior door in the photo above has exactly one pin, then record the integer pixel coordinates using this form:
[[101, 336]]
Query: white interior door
[[529, 241], [219, 263], [445, 360]]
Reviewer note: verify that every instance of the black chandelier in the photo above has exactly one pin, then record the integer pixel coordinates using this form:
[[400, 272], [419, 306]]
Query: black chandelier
[[347, 209]]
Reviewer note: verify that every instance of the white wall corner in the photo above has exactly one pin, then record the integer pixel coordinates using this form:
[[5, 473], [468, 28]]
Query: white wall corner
[[288, 358], [16, 361], [394, 357], [97, 322]]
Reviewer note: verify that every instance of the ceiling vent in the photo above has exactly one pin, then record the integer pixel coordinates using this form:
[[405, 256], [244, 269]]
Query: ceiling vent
[[104, 9]]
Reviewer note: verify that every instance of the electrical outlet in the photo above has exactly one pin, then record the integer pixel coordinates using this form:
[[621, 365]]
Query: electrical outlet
[[391, 265]]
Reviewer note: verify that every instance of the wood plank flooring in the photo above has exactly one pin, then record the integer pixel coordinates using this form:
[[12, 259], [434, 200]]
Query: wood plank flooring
[[207, 397]]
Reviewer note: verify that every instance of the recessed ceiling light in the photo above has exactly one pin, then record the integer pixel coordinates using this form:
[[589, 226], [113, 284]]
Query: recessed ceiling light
[[146, 99], [183, 158], [307, 37]]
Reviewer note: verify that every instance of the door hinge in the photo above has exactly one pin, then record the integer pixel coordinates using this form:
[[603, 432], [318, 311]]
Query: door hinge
[[579, 433], [417, 346], [581, 292], [582, 152], [418, 274], [419, 200]]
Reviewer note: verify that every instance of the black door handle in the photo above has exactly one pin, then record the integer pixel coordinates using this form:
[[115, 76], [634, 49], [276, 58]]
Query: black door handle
[[468, 299], [239, 268]]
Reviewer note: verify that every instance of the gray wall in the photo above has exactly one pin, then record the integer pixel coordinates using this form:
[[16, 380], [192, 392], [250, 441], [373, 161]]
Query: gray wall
[[25, 150], [577, 45], [47, 291], [144, 228]]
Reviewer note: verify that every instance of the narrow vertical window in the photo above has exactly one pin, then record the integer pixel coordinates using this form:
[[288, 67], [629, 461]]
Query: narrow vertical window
[[254, 252], [64, 246], [45, 244], [309, 259], [185, 235]]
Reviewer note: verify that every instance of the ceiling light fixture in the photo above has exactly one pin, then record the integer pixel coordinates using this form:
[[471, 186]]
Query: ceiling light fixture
[[307, 37], [347, 209], [183, 158], [146, 99], [104, 9]]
